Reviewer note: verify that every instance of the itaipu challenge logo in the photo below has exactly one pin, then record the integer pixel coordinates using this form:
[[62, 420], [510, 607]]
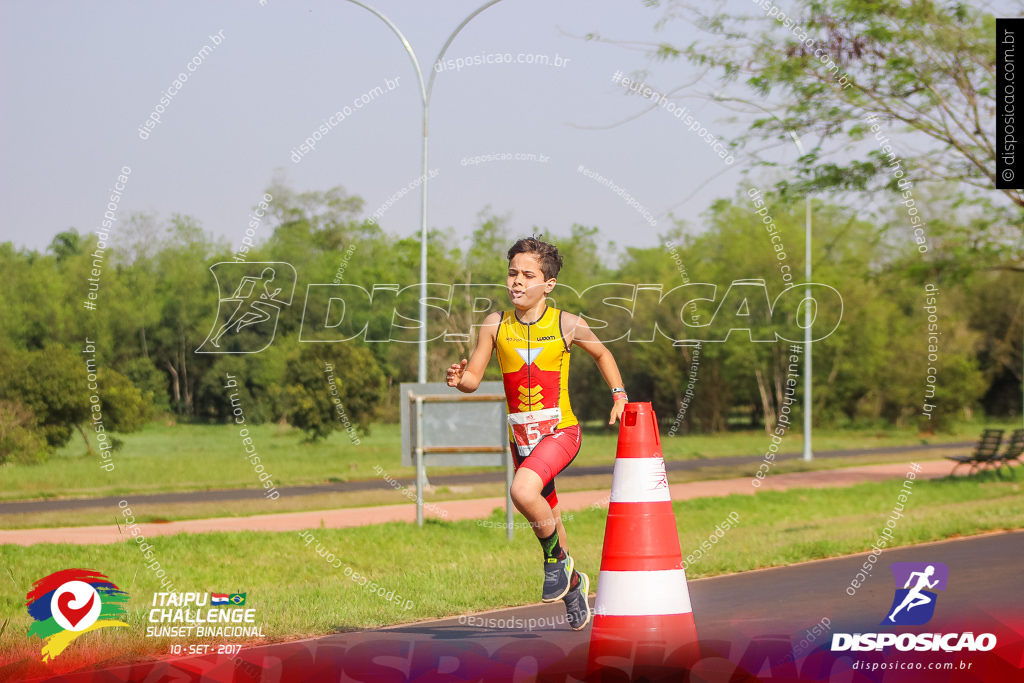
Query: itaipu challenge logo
[[70, 603]]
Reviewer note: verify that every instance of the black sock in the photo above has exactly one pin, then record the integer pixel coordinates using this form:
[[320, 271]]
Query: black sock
[[552, 550], [576, 580]]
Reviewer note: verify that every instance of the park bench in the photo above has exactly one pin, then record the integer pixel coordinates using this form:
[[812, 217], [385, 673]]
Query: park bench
[[985, 453], [1014, 449]]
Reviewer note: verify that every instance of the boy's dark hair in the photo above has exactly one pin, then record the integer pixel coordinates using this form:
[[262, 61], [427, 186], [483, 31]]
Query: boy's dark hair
[[547, 254]]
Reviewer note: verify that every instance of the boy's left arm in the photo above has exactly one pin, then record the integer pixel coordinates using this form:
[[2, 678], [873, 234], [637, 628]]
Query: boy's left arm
[[580, 333]]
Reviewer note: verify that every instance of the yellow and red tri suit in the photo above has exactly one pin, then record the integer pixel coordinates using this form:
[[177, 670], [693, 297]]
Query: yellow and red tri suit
[[534, 362]]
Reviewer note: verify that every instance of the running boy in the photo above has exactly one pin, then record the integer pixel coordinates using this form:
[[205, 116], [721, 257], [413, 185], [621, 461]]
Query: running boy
[[533, 343]]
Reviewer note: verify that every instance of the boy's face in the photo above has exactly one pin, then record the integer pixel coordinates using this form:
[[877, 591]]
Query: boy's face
[[526, 284]]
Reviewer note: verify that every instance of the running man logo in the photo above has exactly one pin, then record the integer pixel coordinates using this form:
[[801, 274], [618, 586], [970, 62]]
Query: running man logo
[[914, 604], [247, 319]]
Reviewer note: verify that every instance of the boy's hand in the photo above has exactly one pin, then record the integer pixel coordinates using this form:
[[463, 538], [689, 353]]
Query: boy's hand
[[616, 411], [455, 373]]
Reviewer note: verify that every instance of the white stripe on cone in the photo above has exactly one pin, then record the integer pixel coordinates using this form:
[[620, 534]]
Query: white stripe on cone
[[639, 480], [642, 593]]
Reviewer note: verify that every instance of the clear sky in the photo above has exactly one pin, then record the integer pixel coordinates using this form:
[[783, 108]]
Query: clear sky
[[79, 79]]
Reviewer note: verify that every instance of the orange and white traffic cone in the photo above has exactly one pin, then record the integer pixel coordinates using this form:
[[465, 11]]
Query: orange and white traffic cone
[[643, 609]]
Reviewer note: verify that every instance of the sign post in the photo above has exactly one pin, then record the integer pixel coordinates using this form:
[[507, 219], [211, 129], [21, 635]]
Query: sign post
[[444, 427]]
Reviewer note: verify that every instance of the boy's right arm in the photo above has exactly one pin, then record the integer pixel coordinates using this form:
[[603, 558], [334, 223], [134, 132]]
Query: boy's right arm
[[466, 377]]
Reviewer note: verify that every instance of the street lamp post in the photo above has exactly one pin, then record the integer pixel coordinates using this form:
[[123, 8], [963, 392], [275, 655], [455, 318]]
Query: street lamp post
[[808, 318], [808, 452], [425, 91]]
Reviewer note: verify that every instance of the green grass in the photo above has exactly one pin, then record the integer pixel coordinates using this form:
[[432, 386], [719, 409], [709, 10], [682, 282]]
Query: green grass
[[450, 568], [165, 458]]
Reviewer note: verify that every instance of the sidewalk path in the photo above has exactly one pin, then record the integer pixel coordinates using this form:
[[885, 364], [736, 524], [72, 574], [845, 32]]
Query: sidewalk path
[[464, 509]]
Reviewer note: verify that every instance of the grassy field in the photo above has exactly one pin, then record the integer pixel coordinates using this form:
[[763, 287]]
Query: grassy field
[[451, 568], [164, 458]]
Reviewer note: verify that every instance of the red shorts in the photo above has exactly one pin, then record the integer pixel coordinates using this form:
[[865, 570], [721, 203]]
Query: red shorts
[[550, 456]]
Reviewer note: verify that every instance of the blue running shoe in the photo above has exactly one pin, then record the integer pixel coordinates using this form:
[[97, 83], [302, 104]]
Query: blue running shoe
[[557, 574], [577, 609]]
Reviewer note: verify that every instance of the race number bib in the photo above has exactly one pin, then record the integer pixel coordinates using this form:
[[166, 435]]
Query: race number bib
[[530, 427]]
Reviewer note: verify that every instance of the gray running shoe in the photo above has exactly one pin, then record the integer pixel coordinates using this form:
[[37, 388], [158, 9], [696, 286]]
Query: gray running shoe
[[557, 574], [577, 609]]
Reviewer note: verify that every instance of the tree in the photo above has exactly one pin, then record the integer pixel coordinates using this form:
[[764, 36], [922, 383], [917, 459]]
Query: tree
[[65, 244], [996, 312], [32, 314], [218, 395], [48, 392], [188, 302], [125, 407], [138, 244], [330, 387], [52, 384], [19, 442], [922, 68], [149, 380]]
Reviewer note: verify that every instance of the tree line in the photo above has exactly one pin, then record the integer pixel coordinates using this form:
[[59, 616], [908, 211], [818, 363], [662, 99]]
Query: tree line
[[158, 300]]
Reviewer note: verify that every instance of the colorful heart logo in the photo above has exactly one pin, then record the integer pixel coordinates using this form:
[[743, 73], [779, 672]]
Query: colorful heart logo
[[70, 603], [73, 615], [76, 605]]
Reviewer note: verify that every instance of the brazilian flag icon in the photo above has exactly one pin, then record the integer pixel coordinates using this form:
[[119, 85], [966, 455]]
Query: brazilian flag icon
[[237, 599]]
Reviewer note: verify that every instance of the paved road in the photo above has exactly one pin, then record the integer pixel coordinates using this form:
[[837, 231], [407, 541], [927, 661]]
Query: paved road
[[225, 495], [754, 622]]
